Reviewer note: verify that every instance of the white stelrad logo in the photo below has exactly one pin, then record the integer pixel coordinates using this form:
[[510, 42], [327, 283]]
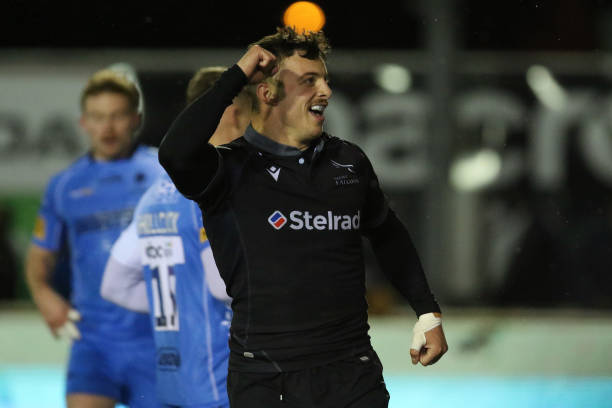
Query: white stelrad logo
[[331, 222]]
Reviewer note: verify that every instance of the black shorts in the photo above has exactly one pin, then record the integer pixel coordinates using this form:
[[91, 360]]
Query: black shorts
[[355, 382]]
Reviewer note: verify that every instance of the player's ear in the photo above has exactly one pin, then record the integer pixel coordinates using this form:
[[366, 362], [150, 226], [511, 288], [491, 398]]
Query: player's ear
[[137, 120], [83, 121], [268, 91]]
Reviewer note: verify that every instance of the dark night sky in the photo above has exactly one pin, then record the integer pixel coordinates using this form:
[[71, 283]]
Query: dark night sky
[[503, 24]]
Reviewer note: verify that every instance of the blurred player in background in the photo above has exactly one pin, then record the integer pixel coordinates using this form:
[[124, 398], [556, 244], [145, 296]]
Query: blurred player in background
[[90, 203], [164, 256], [285, 208]]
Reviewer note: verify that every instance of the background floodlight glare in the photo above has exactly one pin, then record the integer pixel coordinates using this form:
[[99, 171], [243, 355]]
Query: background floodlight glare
[[304, 16]]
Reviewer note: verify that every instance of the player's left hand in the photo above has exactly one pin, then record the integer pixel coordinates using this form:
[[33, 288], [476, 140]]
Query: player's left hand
[[428, 342], [69, 329]]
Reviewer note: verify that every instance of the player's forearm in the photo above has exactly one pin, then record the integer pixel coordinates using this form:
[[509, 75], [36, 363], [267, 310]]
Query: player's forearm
[[39, 264], [184, 152], [54, 309], [400, 262]]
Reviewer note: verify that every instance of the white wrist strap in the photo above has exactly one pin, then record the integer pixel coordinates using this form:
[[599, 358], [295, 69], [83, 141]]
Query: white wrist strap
[[69, 329], [425, 323]]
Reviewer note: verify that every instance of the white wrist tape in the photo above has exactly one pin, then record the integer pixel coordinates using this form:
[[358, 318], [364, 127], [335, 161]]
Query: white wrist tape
[[425, 323], [69, 329]]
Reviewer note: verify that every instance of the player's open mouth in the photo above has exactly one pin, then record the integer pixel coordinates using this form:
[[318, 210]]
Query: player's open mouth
[[110, 140], [317, 111]]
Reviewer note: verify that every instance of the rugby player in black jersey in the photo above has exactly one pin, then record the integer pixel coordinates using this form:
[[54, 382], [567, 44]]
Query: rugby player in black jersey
[[285, 208]]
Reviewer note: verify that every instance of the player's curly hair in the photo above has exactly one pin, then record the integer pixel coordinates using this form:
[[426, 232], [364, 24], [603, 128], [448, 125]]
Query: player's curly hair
[[286, 41], [108, 80]]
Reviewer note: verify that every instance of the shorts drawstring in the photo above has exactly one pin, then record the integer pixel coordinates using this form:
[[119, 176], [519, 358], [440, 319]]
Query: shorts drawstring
[[282, 387]]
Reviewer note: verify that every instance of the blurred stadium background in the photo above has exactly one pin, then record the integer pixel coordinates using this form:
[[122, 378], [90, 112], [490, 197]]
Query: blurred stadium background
[[489, 125]]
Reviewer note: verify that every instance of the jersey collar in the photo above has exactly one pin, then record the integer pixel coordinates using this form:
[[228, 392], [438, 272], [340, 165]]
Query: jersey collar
[[131, 152], [268, 145]]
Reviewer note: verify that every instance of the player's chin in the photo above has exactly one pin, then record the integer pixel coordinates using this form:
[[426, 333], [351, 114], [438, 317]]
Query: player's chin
[[315, 134], [112, 151], [315, 129]]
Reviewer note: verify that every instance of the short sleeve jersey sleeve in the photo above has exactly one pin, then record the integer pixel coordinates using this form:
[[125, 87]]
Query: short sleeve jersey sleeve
[[50, 224]]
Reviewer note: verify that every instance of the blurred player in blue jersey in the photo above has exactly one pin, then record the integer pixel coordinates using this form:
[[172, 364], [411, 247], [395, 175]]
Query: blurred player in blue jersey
[[90, 203], [165, 257]]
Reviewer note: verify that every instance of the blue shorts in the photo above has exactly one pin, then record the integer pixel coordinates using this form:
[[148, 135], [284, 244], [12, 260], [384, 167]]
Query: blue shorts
[[121, 370]]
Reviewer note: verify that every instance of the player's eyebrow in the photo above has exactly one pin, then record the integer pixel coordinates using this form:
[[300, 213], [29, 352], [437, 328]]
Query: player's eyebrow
[[314, 73]]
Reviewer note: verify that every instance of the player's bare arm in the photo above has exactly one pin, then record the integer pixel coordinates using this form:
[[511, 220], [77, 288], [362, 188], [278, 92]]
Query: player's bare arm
[[54, 309]]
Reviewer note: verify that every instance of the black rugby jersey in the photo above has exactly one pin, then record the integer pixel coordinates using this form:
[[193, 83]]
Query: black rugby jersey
[[285, 227]]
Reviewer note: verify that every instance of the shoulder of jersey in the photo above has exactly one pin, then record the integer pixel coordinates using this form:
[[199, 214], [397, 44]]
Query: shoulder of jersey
[[148, 156], [236, 148], [147, 151], [337, 143], [235, 144], [330, 139], [75, 167], [163, 189]]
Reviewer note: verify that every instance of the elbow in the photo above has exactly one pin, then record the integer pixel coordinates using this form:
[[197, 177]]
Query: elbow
[[174, 160]]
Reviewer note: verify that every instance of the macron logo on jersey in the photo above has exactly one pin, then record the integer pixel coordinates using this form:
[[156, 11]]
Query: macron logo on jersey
[[277, 220], [274, 172], [305, 220]]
